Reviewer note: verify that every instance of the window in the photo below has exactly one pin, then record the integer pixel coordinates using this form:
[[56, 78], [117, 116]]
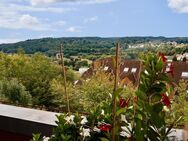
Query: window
[[167, 69], [126, 69], [105, 68], [133, 70], [169, 64], [184, 74]]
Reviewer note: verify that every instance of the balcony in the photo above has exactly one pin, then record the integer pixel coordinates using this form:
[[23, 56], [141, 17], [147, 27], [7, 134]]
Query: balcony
[[18, 124]]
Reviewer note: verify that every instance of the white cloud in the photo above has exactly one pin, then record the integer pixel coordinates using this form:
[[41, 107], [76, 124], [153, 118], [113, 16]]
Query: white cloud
[[25, 8], [25, 21], [180, 6], [74, 29], [38, 2], [12, 17], [19, 14], [92, 19], [28, 20]]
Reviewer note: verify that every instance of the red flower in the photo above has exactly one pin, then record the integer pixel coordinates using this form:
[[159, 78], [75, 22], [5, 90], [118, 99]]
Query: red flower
[[165, 100], [105, 127], [164, 59], [123, 102]]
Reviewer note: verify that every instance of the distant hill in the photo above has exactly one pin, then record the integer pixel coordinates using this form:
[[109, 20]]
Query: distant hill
[[80, 45]]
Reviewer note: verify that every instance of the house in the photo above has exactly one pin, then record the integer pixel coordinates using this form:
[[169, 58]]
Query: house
[[82, 70], [129, 70], [180, 57], [173, 43], [58, 56], [180, 71]]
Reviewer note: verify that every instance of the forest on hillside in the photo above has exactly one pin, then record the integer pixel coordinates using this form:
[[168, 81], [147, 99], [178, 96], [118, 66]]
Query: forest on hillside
[[74, 46]]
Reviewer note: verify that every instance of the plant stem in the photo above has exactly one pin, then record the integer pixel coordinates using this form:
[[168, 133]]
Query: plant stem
[[64, 78], [115, 88]]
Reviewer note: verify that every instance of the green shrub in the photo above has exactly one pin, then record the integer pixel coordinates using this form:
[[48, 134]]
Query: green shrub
[[15, 92], [143, 120], [180, 104], [95, 90]]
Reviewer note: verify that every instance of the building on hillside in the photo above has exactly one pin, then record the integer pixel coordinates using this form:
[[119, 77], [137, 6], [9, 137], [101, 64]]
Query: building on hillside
[[58, 56], [180, 71], [173, 43], [82, 70], [130, 70], [181, 57], [185, 55]]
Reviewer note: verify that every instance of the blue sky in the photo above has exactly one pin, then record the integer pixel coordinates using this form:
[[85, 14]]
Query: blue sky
[[29, 19]]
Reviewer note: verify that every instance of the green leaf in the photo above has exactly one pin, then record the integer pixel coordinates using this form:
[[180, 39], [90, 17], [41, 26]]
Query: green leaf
[[36, 137], [117, 92], [139, 116], [159, 65], [157, 120], [104, 139], [157, 107], [122, 110]]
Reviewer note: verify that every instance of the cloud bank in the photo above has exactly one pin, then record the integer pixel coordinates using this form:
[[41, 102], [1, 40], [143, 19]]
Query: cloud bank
[[180, 6], [19, 16]]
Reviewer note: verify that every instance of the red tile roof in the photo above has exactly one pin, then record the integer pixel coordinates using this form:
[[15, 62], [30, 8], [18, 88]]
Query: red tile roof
[[107, 65], [179, 69], [130, 70]]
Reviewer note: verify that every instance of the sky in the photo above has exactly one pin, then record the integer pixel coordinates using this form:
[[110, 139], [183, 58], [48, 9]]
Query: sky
[[31, 19]]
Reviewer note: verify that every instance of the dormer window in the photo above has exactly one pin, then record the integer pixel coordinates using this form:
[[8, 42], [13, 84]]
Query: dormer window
[[126, 69], [133, 70], [167, 69], [105, 68], [169, 64], [184, 74]]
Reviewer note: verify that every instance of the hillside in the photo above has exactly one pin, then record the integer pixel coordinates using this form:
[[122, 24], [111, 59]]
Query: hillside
[[80, 45]]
